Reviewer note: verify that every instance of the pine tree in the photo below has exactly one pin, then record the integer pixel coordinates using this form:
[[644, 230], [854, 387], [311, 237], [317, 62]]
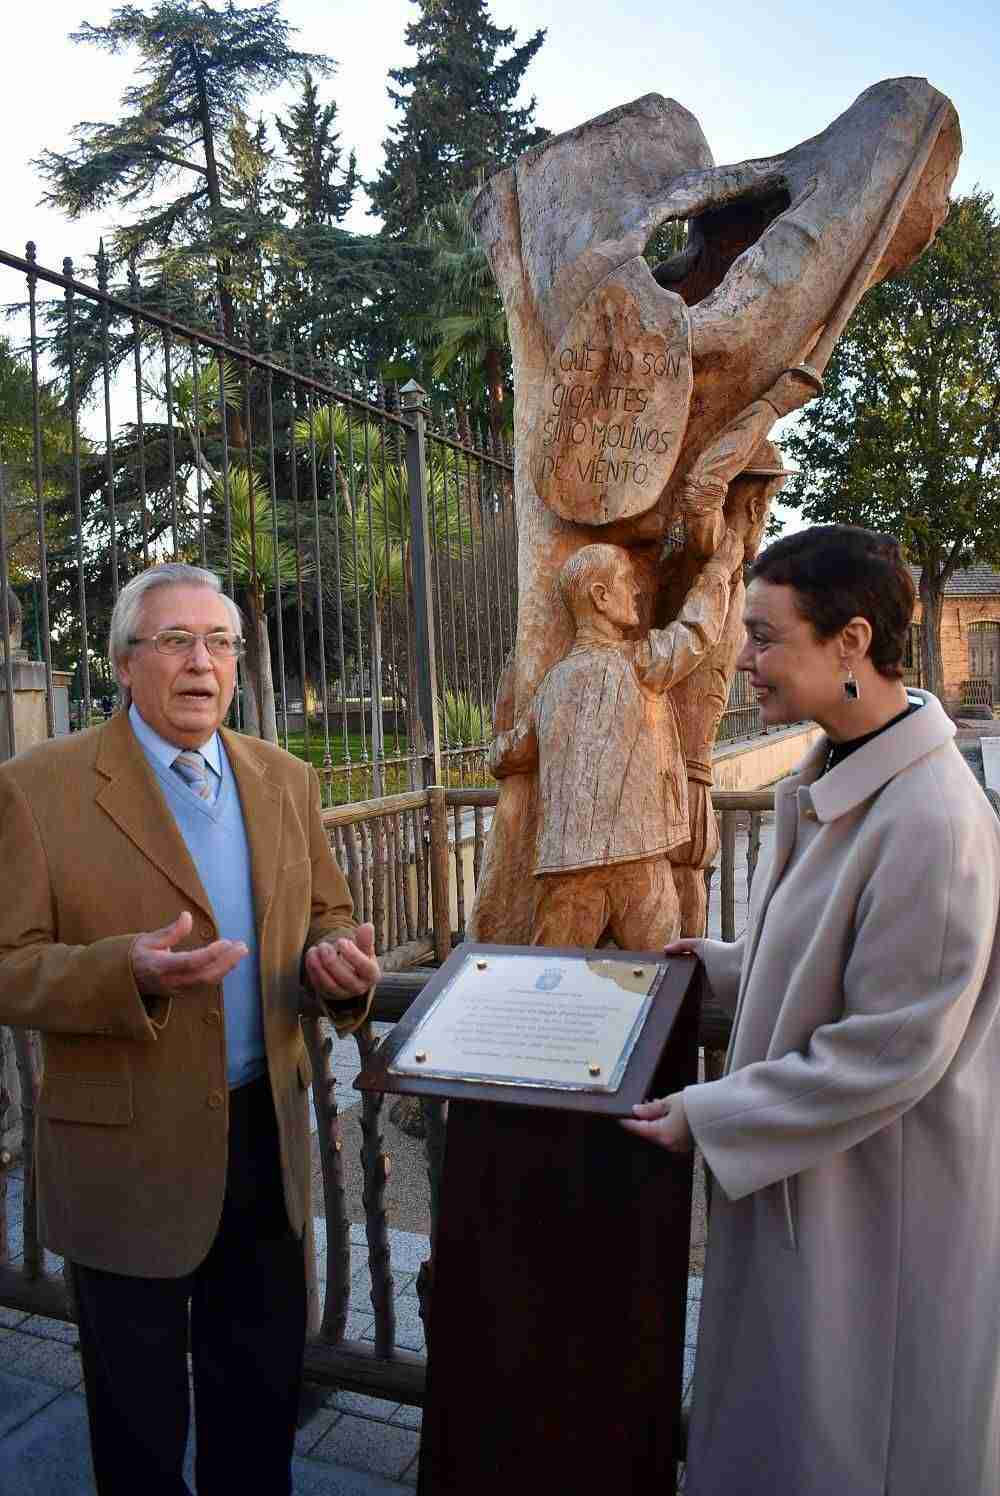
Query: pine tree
[[197, 65], [459, 124], [318, 190]]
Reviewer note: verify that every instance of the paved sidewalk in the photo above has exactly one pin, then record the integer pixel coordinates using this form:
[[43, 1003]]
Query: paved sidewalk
[[349, 1445]]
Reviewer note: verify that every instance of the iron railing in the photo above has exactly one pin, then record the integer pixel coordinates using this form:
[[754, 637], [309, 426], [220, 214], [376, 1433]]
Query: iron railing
[[368, 538], [741, 719]]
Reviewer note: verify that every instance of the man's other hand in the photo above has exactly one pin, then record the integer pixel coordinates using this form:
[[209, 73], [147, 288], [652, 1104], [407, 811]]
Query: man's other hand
[[160, 971], [345, 967]]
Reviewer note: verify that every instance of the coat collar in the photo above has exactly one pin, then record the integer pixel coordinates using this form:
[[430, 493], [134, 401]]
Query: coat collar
[[868, 769], [262, 799], [133, 800]]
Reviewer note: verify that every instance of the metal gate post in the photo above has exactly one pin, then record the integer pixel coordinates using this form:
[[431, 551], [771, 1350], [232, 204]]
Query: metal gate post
[[414, 404]]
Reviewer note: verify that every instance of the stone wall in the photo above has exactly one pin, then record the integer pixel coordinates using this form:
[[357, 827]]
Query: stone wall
[[754, 762]]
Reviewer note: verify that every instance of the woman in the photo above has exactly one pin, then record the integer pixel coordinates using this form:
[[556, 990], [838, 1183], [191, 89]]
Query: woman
[[850, 1332]]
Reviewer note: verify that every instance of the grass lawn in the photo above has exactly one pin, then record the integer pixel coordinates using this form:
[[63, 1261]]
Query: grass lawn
[[358, 786], [358, 747]]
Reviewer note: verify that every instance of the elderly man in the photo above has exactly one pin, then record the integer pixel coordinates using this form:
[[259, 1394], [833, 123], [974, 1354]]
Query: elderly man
[[604, 736], [172, 895]]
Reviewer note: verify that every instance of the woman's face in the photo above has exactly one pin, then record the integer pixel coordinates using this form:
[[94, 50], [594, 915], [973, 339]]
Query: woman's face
[[797, 676]]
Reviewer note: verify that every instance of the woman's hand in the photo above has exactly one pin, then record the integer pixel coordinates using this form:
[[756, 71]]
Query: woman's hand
[[688, 946], [663, 1122]]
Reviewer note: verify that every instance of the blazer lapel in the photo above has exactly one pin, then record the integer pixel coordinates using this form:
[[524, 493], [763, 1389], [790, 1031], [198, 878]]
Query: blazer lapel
[[134, 801], [262, 800]]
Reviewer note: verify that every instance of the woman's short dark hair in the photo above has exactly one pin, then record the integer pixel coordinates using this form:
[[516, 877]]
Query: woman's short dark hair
[[840, 572]]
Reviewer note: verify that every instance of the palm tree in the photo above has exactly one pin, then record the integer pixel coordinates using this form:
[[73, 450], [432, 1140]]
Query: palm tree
[[465, 328], [374, 549], [259, 566], [257, 563]]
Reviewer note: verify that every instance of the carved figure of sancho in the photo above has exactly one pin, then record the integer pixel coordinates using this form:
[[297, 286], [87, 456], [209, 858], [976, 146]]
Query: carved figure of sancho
[[603, 733]]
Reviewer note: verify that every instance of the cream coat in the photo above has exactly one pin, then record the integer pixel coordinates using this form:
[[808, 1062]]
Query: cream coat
[[850, 1334], [132, 1116]]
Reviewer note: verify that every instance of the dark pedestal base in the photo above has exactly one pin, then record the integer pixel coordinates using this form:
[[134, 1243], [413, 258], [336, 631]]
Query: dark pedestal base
[[556, 1336]]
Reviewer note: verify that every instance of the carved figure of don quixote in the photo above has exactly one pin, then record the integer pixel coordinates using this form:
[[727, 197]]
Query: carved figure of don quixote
[[643, 472]]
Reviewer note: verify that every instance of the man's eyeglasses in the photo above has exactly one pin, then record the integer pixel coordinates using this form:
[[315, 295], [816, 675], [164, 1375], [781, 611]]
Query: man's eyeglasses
[[221, 646]]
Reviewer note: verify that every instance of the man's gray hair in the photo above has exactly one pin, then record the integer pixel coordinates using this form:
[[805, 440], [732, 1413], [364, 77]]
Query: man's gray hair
[[125, 617]]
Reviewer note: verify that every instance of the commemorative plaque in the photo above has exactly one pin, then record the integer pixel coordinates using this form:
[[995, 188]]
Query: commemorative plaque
[[549, 1027], [532, 1018]]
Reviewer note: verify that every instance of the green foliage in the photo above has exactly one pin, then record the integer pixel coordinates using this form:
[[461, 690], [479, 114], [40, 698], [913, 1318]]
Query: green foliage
[[906, 438], [465, 723], [255, 560], [318, 190], [17, 447], [217, 218], [200, 391], [197, 66], [459, 123], [464, 327]]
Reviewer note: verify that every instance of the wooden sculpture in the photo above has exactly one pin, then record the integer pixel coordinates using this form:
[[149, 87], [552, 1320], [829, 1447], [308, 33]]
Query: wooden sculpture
[[643, 404]]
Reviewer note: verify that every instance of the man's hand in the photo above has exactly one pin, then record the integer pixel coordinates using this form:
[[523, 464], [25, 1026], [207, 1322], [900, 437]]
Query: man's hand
[[160, 971], [345, 967], [730, 550], [663, 1122]]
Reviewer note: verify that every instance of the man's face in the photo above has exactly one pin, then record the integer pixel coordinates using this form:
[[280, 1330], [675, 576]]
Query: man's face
[[183, 697], [618, 598]]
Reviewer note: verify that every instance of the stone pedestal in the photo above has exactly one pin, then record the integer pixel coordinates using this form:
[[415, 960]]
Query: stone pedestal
[[30, 728], [30, 725]]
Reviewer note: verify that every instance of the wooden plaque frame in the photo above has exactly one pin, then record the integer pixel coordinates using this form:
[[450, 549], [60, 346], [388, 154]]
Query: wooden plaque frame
[[668, 994]]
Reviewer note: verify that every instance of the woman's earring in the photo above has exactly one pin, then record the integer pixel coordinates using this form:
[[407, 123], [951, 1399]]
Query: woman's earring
[[852, 690]]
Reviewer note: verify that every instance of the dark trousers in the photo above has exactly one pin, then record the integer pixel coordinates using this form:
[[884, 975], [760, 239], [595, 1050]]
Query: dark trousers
[[247, 1306]]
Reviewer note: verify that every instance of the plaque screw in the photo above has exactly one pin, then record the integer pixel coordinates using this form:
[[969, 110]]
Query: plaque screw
[[480, 965], [638, 971], [594, 1068], [420, 1056]]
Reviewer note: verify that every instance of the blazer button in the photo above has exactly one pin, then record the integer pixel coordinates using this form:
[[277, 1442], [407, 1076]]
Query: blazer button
[[215, 1100], [809, 814], [207, 932], [213, 1018]]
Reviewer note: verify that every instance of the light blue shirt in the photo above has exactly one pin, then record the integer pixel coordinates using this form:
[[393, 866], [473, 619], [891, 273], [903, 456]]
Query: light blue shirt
[[159, 751], [215, 836]]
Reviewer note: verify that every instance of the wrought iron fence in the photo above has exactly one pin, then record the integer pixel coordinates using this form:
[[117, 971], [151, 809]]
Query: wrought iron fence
[[368, 538], [741, 719]]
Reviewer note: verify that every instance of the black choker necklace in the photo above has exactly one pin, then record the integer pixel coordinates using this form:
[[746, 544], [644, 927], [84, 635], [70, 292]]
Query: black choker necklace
[[833, 758]]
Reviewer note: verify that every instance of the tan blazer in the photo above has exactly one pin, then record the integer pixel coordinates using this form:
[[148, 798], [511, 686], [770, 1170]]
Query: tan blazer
[[132, 1124]]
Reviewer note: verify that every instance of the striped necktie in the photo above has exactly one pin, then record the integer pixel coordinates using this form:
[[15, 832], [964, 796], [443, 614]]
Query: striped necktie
[[193, 769]]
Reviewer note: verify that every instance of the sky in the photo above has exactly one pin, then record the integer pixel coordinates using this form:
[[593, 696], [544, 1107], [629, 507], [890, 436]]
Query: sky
[[759, 80]]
